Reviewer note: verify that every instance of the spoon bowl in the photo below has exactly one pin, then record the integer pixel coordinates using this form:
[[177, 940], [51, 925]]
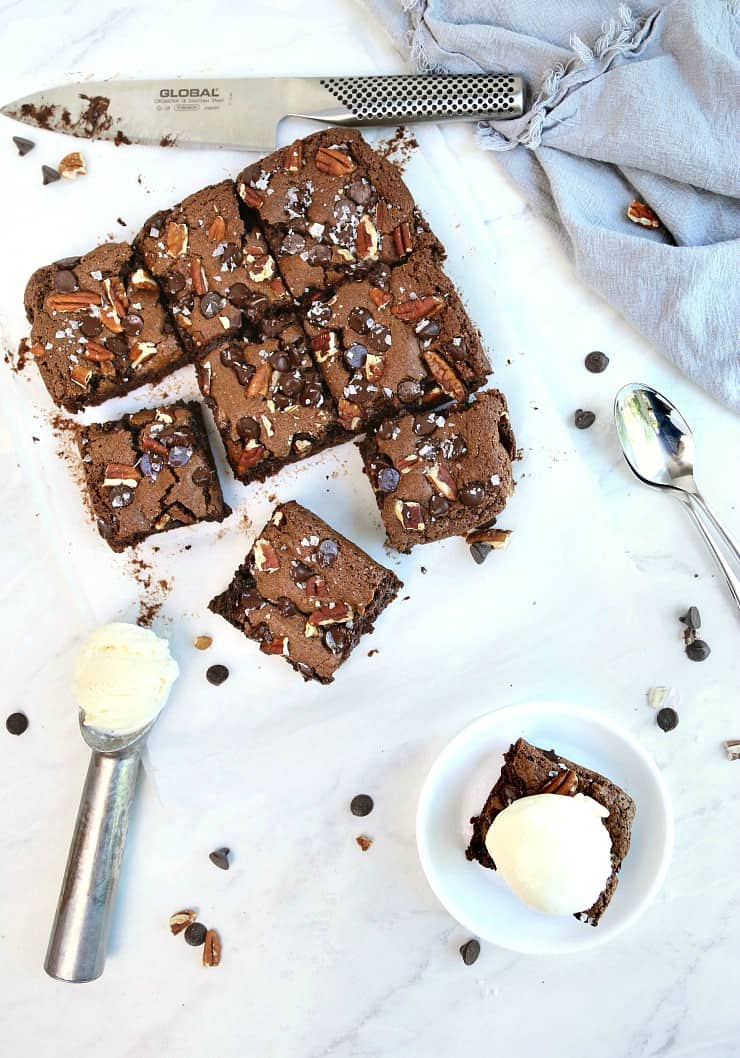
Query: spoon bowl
[[656, 439]]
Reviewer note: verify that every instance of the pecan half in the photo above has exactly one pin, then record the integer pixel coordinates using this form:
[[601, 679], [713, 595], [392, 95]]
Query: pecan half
[[198, 276], [417, 308], [97, 353], [410, 515], [176, 239], [402, 242], [181, 920], [565, 783], [443, 481], [217, 230], [250, 457], [265, 557], [293, 157], [444, 375], [79, 299], [212, 949], [641, 214], [367, 239], [333, 162], [250, 196]]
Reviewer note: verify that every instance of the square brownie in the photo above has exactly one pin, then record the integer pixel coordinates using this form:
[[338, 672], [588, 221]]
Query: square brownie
[[98, 327], [331, 205], [442, 472], [396, 340], [530, 770], [269, 402], [306, 593], [211, 268], [149, 472]]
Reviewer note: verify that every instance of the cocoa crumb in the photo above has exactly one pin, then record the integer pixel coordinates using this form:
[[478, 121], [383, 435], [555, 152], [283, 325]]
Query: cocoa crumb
[[399, 148]]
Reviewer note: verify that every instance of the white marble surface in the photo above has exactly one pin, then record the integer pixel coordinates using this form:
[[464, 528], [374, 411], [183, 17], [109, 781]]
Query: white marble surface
[[329, 952]]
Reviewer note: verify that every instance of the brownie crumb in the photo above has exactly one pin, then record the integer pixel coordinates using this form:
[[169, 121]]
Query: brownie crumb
[[364, 841]]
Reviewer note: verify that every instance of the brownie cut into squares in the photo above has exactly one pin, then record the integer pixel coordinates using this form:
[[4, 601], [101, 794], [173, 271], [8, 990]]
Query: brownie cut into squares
[[442, 472], [213, 271], [306, 593], [98, 327], [149, 472], [396, 340], [332, 206], [529, 770], [268, 400]]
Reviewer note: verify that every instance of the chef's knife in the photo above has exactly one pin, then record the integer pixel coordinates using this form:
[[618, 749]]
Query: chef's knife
[[244, 112]]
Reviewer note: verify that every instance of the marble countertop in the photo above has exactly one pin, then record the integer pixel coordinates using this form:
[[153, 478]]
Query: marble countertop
[[329, 952]]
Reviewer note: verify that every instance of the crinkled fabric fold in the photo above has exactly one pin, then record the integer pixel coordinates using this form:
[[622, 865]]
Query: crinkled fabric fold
[[624, 103]]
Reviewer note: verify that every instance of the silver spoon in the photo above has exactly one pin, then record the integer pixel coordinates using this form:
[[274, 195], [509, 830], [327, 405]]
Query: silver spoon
[[659, 447], [79, 936]]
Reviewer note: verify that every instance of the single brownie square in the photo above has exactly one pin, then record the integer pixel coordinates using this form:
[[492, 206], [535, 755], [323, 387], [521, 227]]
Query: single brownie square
[[529, 770], [331, 205], [269, 402], [443, 472], [211, 269], [98, 327], [395, 340], [306, 593], [149, 472]]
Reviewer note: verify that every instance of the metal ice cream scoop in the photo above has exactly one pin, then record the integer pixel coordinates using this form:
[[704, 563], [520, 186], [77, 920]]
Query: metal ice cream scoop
[[659, 447], [79, 936]]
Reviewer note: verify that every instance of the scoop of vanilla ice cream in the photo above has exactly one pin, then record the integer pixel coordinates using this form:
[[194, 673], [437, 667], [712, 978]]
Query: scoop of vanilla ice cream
[[123, 677], [553, 851]]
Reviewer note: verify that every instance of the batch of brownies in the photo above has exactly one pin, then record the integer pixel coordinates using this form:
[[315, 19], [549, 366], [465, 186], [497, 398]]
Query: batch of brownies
[[310, 299]]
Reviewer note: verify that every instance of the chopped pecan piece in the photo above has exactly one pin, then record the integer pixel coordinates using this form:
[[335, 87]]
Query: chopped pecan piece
[[333, 613], [333, 162], [250, 196], [198, 276], [141, 351], [495, 538], [250, 456], [641, 214], [349, 414], [176, 239], [181, 920], [97, 353], [379, 297], [443, 481], [417, 308], [565, 783], [402, 243], [367, 239], [121, 474], [276, 645], [79, 299], [217, 230], [116, 295], [265, 557], [325, 346], [143, 280], [444, 375], [374, 367], [293, 157], [410, 515], [262, 268], [72, 165], [407, 463], [259, 383]]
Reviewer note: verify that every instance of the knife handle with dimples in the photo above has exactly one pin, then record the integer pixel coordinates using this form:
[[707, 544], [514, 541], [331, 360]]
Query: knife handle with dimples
[[406, 99]]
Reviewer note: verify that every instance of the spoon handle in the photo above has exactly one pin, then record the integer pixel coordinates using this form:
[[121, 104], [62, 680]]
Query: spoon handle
[[79, 936], [716, 537]]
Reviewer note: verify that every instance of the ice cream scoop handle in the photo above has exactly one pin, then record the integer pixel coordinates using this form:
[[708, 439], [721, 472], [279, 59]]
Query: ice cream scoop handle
[[79, 936]]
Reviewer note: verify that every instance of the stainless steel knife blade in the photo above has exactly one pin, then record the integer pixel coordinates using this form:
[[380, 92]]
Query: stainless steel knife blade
[[244, 112]]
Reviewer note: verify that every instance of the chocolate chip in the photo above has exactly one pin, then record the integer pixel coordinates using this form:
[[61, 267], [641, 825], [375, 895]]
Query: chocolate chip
[[201, 476], [328, 551], [232, 256], [151, 464], [272, 326], [361, 805], [698, 650], [279, 361], [387, 430], [239, 295], [195, 934], [470, 951], [355, 356], [424, 425], [428, 329], [692, 618], [133, 324], [335, 639], [438, 506], [319, 255], [180, 455], [91, 326], [16, 723], [292, 385], [359, 191], [318, 313], [286, 606], [667, 719], [251, 599], [49, 175], [472, 494], [211, 304], [67, 262], [65, 281], [360, 320], [248, 428], [117, 344], [312, 395], [255, 305], [387, 479], [596, 362], [584, 419], [300, 573], [121, 496], [456, 350], [480, 552], [379, 338], [217, 674], [173, 282], [292, 243], [23, 145], [220, 857], [408, 391]]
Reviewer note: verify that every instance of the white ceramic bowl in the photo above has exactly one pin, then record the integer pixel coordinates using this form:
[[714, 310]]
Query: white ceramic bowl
[[456, 789]]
